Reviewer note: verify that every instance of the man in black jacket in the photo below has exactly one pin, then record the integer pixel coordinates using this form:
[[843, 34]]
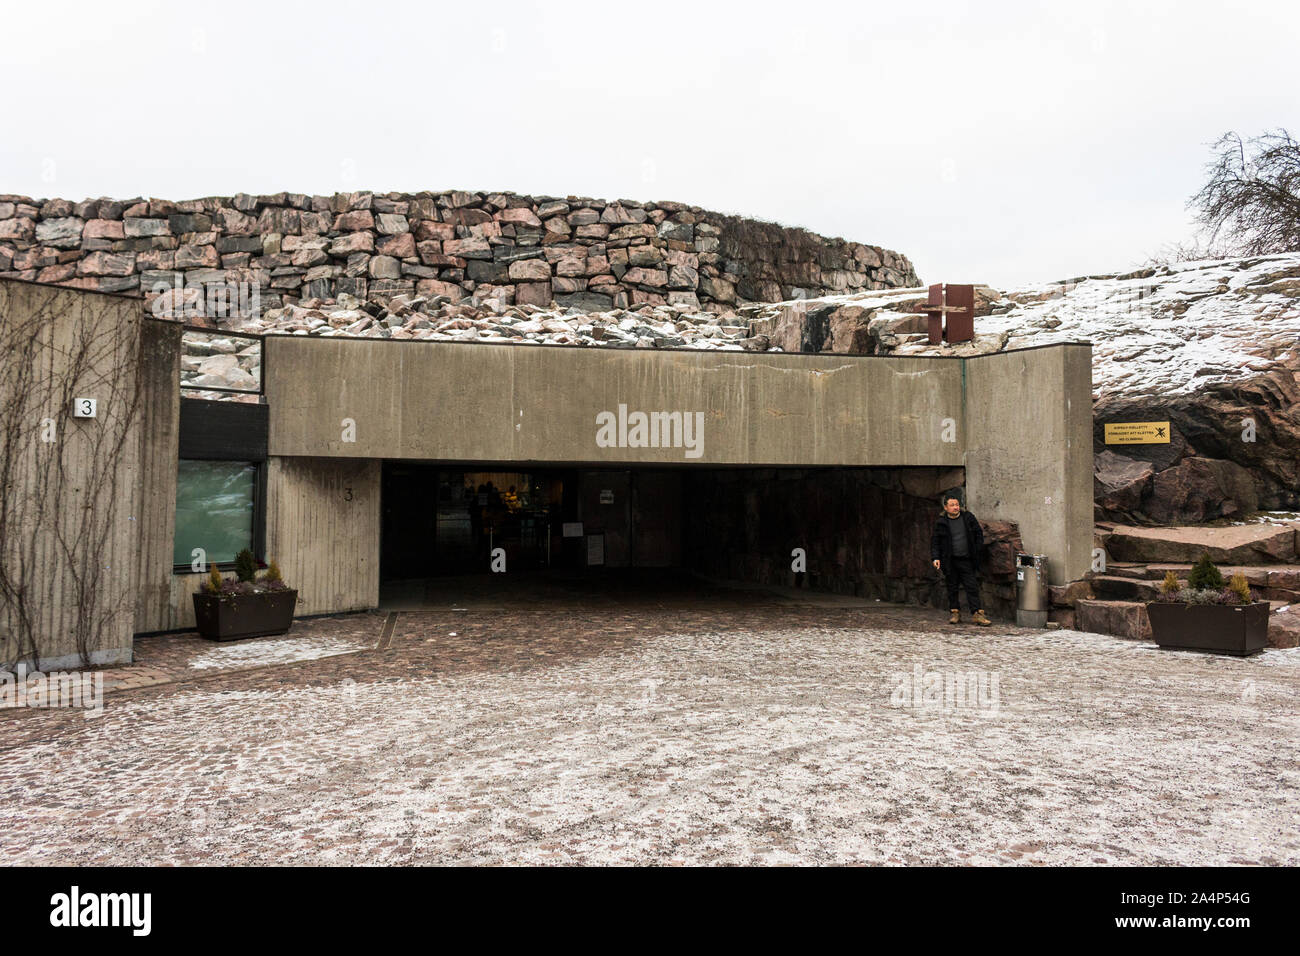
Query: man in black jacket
[[955, 549]]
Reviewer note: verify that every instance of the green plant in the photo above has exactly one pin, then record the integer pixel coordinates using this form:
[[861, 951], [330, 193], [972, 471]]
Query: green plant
[[273, 573], [1205, 576], [1206, 596], [245, 565], [1170, 583], [1240, 587], [213, 584]]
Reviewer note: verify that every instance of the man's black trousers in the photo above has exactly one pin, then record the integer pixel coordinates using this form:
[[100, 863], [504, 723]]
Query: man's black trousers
[[959, 573]]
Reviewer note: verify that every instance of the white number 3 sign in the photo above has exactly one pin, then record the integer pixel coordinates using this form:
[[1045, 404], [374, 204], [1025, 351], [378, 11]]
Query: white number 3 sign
[[83, 408]]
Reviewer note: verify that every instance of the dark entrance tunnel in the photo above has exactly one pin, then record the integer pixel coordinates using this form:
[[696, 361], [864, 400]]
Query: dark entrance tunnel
[[862, 531], [440, 519]]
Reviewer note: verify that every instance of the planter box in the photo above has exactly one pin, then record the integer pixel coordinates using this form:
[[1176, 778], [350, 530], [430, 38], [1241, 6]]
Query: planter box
[[235, 617], [1219, 629]]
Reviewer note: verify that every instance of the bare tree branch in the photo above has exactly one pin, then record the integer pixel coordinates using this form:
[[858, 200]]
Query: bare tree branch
[[1250, 205]]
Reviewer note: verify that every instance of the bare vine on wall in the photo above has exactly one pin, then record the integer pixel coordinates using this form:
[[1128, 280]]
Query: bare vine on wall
[[68, 483]]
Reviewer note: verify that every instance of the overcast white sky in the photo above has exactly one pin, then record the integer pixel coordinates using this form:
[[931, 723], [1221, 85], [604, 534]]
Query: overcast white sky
[[990, 142]]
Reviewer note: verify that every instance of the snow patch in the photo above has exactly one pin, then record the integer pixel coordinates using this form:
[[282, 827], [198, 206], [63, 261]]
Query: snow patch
[[260, 652]]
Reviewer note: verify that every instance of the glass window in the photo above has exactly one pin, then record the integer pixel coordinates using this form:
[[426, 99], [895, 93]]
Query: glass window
[[214, 509]]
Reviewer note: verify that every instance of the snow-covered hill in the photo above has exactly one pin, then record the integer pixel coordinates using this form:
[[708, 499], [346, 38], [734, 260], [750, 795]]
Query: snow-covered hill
[[1160, 332]]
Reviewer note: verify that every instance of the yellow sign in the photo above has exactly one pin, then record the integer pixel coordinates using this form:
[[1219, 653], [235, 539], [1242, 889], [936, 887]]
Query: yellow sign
[[1138, 433]]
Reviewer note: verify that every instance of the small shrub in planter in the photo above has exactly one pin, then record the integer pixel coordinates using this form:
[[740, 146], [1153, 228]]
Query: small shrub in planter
[[230, 610], [1210, 614], [1204, 575], [245, 566], [1170, 584]]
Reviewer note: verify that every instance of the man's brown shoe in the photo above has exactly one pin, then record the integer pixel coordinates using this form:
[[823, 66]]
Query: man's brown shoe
[[955, 618], [979, 618]]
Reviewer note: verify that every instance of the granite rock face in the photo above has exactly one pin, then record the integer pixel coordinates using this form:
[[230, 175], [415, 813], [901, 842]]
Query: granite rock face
[[1262, 543]]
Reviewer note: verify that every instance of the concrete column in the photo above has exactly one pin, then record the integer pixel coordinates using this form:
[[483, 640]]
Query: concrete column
[[155, 512], [1029, 449]]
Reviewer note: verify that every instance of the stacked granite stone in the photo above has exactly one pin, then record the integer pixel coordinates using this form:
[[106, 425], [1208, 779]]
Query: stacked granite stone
[[516, 250]]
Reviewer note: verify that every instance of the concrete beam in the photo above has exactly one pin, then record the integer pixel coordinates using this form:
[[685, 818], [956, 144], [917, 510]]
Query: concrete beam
[[538, 404]]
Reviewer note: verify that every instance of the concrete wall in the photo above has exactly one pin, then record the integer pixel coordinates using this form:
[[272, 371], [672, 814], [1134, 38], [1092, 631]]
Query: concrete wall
[[180, 608], [1021, 420], [155, 513], [1029, 449], [322, 527], [539, 404], [70, 504]]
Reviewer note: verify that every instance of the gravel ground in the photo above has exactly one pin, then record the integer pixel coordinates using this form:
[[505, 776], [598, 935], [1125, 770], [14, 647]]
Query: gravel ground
[[734, 735]]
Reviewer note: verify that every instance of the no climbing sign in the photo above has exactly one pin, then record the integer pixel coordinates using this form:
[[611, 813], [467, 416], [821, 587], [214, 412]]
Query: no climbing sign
[[1137, 433]]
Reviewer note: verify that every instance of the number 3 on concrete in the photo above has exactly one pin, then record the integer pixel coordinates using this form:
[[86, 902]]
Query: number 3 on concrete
[[347, 493]]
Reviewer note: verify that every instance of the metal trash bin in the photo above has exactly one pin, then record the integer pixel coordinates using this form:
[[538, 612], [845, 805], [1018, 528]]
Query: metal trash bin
[[1032, 602]]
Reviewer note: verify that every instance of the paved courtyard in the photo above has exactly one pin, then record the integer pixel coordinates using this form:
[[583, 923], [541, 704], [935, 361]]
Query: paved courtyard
[[723, 727]]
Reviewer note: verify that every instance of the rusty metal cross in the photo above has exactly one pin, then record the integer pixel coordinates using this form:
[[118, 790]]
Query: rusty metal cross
[[951, 309]]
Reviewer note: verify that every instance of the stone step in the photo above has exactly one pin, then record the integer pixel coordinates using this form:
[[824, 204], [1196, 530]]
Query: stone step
[[1064, 595], [1129, 619], [1107, 587], [1284, 627], [1251, 544], [1125, 569], [1121, 618], [1280, 582]]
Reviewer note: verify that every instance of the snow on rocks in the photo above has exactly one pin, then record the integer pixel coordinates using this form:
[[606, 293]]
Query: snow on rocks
[[1164, 331], [438, 319]]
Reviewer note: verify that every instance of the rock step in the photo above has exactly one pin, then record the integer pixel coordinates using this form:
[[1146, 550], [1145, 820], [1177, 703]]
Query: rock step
[[1129, 619], [1120, 618], [1275, 582], [1107, 587], [1252, 544]]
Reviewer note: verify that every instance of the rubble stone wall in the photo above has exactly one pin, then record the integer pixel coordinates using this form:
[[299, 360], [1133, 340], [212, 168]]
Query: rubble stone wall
[[574, 251]]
